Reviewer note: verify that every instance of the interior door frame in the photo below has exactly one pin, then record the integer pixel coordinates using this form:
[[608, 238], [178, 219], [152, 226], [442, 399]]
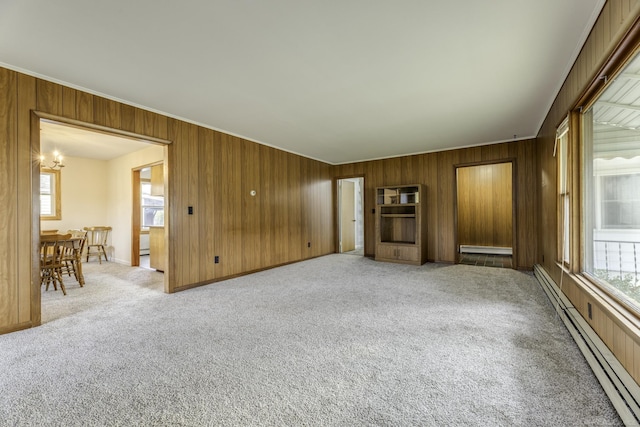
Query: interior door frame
[[336, 211], [514, 205], [136, 211], [36, 116]]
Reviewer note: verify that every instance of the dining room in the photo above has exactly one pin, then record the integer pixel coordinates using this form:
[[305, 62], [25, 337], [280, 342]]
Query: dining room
[[86, 205]]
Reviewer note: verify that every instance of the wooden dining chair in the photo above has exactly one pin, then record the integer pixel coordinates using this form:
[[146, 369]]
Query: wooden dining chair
[[97, 242], [51, 252], [72, 254]]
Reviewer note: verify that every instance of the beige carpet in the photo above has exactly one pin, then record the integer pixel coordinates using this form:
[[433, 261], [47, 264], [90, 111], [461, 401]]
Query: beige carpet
[[334, 341]]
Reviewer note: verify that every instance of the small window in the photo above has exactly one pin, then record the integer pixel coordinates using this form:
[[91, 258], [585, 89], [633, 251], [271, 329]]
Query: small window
[[152, 207], [564, 205], [50, 207]]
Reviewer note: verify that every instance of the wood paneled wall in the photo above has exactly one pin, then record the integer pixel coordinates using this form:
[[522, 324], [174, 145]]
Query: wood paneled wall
[[437, 172], [621, 336], [485, 210], [208, 170]]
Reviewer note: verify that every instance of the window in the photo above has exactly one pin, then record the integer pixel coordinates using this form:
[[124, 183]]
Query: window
[[562, 154], [611, 188], [620, 201], [50, 207], [152, 207]]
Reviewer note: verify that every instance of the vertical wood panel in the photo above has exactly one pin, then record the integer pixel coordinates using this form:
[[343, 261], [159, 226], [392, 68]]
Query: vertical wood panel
[[250, 205], [84, 106], [231, 185], [128, 119], [195, 221], [9, 303], [29, 217], [267, 199], [49, 97], [206, 196], [216, 203], [69, 103], [106, 112], [296, 244]]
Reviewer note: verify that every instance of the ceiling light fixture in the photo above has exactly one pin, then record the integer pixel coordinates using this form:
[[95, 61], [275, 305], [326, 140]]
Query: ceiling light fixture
[[57, 161]]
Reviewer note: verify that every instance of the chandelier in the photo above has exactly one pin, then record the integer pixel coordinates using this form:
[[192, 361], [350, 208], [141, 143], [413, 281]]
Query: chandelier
[[57, 161]]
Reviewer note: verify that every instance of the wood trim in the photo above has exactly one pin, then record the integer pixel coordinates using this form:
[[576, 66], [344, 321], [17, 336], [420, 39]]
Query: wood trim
[[135, 217], [614, 63], [101, 129], [336, 211], [36, 305], [514, 205]]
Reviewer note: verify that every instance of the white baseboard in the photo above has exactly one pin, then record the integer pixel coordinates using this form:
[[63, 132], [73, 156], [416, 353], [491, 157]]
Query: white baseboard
[[617, 383], [495, 250]]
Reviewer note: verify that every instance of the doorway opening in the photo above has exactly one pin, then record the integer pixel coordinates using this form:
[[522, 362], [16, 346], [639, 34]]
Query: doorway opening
[[94, 166], [147, 220], [351, 216], [485, 215]]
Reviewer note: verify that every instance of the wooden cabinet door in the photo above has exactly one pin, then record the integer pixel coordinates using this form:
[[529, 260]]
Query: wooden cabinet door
[[407, 253], [386, 252]]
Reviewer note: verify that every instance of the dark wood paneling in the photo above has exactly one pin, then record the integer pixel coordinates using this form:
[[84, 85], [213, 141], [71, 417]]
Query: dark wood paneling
[[208, 170], [602, 54], [9, 291], [437, 172]]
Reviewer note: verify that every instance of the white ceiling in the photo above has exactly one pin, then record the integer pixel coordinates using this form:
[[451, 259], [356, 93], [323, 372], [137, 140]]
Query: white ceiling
[[70, 141], [338, 81]]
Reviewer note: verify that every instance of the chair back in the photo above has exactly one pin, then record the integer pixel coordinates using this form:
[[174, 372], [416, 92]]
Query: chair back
[[51, 250], [79, 234], [97, 235]]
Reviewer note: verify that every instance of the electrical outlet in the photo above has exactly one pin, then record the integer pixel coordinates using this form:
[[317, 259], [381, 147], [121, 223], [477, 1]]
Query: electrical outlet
[[190, 210], [308, 244], [216, 259], [589, 311]]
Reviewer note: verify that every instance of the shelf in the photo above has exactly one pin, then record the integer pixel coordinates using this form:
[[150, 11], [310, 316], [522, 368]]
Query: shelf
[[398, 215], [399, 242]]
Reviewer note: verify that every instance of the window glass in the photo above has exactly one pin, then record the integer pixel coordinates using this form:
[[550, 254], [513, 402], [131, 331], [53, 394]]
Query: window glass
[[611, 211], [562, 154], [152, 207], [50, 208]]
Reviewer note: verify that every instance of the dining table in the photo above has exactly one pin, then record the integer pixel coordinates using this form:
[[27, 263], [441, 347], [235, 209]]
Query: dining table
[[75, 245]]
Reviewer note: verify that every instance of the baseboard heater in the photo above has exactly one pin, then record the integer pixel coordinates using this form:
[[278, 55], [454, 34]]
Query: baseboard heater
[[494, 250], [619, 386]]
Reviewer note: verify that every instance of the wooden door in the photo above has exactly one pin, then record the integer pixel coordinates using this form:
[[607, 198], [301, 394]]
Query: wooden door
[[485, 205], [347, 216]]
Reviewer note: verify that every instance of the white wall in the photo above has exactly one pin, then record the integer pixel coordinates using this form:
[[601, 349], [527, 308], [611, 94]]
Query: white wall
[[83, 187], [119, 196]]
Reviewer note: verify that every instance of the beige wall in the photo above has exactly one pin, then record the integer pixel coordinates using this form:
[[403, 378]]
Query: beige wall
[[119, 198], [83, 189]]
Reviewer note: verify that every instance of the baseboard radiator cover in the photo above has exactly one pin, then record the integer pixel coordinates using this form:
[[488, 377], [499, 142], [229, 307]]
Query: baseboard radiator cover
[[492, 250], [619, 386]]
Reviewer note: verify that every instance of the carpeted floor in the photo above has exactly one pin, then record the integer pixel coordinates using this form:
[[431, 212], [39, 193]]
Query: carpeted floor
[[333, 341]]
